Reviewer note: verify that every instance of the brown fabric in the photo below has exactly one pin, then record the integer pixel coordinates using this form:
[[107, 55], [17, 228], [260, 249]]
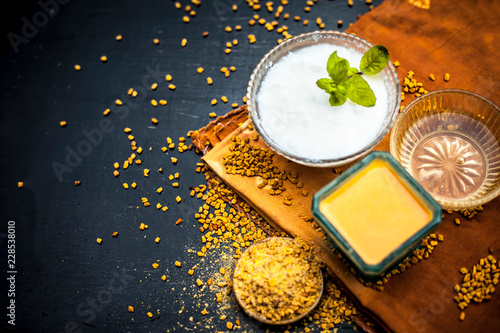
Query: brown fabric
[[449, 36]]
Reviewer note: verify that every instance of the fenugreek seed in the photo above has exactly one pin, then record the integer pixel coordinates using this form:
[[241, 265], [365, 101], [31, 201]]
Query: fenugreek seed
[[431, 77], [171, 87], [104, 58], [119, 37], [234, 105], [212, 114], [150, 315], [229, 325], [163, 102], [209, 80], [446, 77], [205, 34], [178, 264], [154, 121], [118, 102], [224, 99], [185, 19], [78, 68], [213, 102], [99, 241], [154, 102], [130, 308], [228, 29], [168, 77], [116, 173], [134, 94], [462, 315], [106, 112], [200, 70], [227, 51]]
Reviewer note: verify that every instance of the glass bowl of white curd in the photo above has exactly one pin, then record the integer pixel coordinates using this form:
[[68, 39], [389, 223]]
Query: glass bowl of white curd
[[294, 117]]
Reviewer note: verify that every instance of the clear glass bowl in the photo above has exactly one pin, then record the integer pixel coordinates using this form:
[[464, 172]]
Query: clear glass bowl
[[449, 141], [375, 236], [342, 39]]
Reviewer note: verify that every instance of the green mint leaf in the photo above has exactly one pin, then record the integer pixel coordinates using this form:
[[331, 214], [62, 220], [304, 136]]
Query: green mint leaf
[[339, 71], [326, 84], [360, 92], [374, 60], [332, 61], [337, 99], [339, 96]]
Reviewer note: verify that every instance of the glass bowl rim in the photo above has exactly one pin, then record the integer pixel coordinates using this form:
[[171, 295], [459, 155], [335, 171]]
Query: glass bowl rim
[[333, 162], [447, 204]]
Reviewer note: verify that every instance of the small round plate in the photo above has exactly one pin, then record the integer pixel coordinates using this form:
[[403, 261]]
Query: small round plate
[[249, 254]]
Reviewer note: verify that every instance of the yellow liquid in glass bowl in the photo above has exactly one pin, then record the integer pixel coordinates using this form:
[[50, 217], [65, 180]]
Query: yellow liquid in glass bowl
[[375, 212]]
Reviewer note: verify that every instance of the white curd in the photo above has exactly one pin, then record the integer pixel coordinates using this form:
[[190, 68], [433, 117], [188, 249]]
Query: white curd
[[297, 115]]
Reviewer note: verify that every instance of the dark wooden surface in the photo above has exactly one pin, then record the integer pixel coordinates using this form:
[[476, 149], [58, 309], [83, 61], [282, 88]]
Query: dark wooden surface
[[65, 281]]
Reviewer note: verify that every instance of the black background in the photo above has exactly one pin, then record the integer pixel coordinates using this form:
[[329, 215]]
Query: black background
[[60, 267]]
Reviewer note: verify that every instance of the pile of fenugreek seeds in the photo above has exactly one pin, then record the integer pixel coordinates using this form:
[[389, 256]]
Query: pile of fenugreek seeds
[[278, 280], [478, 284]]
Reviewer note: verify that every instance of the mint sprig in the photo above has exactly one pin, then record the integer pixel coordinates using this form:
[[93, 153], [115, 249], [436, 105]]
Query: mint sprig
[[346, 82]]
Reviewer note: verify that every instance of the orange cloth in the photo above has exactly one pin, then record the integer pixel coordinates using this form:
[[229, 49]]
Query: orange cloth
[[449, 37]]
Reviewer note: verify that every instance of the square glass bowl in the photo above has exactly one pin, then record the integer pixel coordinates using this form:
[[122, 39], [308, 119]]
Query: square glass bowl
[[375, 213]]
